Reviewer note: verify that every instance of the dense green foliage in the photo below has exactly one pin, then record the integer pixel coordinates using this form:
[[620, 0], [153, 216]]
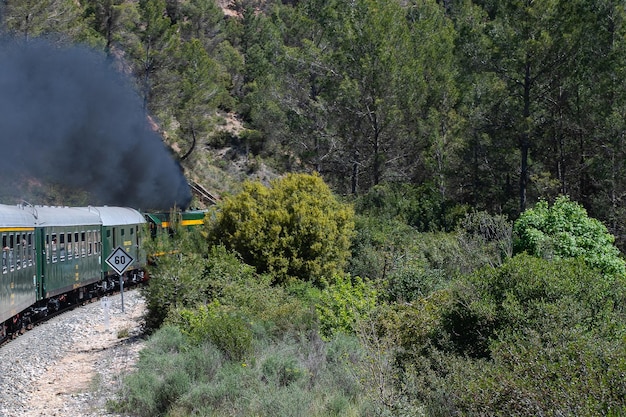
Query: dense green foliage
[[565, 231], [343, 304], [291, 378], [451, 125], [240, 347], [295, 227], [487, 104], [442, 323], [533, 337]]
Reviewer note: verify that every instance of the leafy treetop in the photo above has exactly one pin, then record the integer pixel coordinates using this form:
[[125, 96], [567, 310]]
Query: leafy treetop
[[295, 227], [566, 231]]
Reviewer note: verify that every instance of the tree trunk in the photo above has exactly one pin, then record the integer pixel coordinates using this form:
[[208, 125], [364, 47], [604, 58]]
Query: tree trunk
[[525, 140]]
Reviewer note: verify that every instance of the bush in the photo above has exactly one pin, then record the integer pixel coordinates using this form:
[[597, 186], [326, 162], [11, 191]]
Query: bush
[[176, 274], [237, 287], [344, 302], [294, 377], [488, 238], [295, 227], [422, 208], [228, 332], [527, 292], [379, 246], [565, 231], [532, 337], [161, 378], [282, 370], [410, 263]]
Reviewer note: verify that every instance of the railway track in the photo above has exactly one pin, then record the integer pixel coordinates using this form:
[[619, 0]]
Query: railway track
[[63, 309], [74, 363], [202, 193]]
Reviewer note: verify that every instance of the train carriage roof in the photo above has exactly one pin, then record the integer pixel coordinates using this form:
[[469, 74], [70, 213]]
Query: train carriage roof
[[15, 216], [63, 216], [116, 216]]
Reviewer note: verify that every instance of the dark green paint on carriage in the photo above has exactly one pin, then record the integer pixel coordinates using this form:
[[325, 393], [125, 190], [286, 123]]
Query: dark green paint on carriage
[[126, 236], [18, 276], [70, 258]]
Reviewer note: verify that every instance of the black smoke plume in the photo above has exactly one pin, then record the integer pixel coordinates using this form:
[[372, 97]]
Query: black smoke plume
[[68, 118]]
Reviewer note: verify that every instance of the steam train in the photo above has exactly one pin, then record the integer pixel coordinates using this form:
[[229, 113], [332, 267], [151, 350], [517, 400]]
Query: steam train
[[53, 256]]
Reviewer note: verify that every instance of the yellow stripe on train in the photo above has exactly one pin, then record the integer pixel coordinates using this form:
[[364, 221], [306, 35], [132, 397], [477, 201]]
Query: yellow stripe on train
[[17, 229], [185, 223]]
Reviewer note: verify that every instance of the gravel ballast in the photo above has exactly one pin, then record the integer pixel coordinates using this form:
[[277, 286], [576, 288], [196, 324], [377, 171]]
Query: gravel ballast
[[72, 364]]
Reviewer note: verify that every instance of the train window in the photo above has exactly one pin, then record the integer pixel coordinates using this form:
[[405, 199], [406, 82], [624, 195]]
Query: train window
[[98, 247], [123, 230], [17, 251], [22, 258], [54, 245], [23, 252], [29, 254], [61, 246], [89, 242], [83, 244], [10, 253], [68, 246], [5, 254]]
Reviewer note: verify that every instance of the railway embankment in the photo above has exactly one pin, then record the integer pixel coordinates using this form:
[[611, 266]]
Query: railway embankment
[[74, 363]]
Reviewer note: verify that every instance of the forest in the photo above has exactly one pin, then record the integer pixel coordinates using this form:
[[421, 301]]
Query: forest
[[420, 207], [488, 104]]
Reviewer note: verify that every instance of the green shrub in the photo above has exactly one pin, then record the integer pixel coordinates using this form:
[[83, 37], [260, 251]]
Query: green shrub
[[485, 240], [343, 302], [176, 274], [379, 246], [282, 370], [422, 208], [295, 227], [521, 294], [565, 231], [561, 373], [237, 287], [227, 331], [411, 284], [532, 337], [160, 378], [409, 263], [167, 340], [174, 283]]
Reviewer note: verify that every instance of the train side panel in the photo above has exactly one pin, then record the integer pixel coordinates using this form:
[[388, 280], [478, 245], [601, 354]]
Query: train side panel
[[71, 249], [18, 274], [162, 222], [71, 258], [121, 226]]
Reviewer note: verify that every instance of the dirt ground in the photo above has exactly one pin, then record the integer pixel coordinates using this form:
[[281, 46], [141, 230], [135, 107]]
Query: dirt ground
[[91, 370]]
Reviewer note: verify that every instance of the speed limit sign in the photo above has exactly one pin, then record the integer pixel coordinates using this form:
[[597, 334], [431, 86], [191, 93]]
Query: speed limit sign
[[119, 260]]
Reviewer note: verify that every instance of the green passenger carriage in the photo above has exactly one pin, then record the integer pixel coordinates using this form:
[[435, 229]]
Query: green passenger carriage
[[56, 256], [121, 226], [18, 279], [69, 249]]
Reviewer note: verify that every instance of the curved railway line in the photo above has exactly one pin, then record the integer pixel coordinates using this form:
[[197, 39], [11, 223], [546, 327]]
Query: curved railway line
[[73, 364], [55, 257], [63, 309]]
